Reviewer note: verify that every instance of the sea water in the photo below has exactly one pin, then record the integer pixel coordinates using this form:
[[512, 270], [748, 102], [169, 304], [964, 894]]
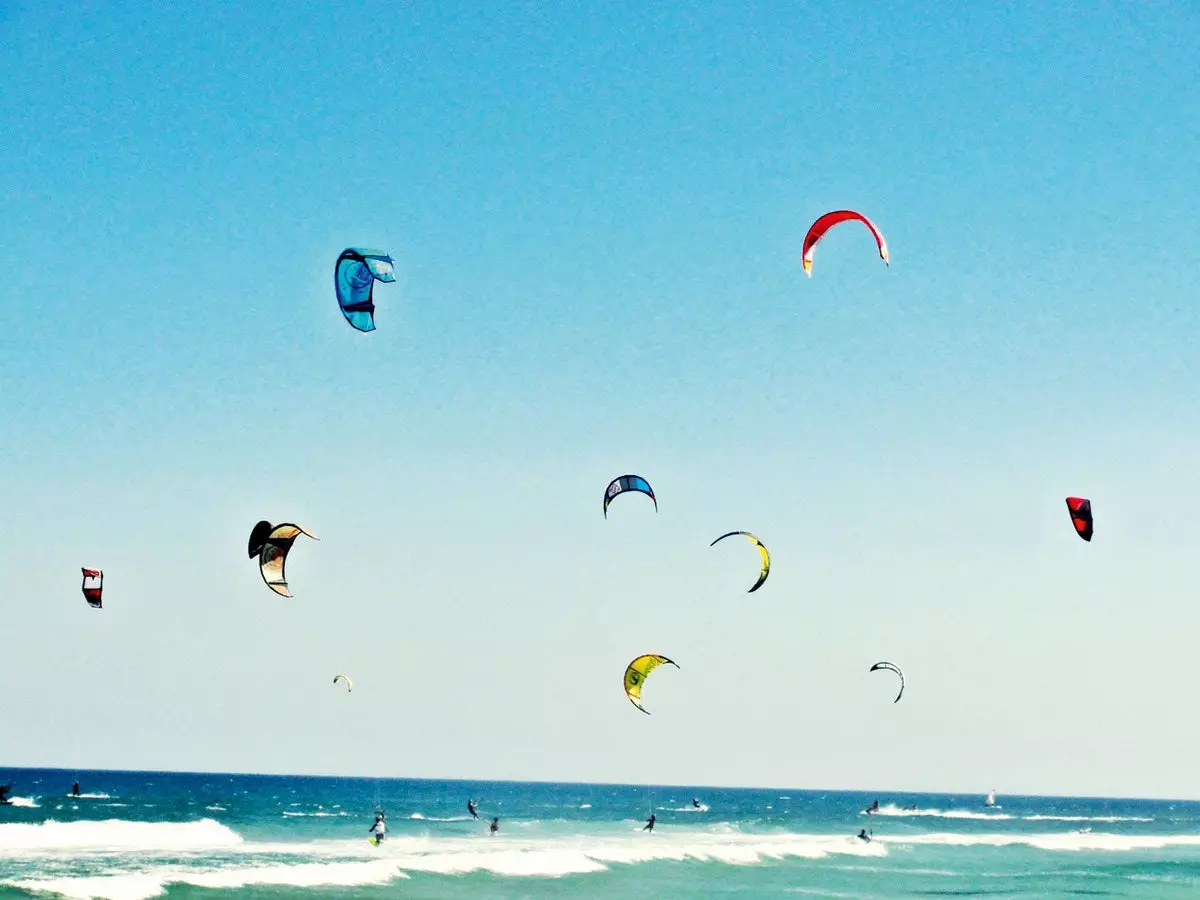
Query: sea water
[[134, 835]]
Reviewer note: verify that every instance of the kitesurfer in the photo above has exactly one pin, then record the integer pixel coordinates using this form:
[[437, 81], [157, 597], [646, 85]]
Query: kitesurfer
[[4, 789], [863, 836], [471, 809], [873, 808], [649, 826], [380, 828], [75, 789], [495, 826], [695, 803]]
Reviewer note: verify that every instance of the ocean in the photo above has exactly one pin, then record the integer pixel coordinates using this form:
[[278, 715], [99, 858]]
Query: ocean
[[135, 835]]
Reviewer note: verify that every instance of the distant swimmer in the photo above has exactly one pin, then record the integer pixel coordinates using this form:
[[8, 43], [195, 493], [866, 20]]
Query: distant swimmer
[[495, 826], [4, 789], [873, 808], [649, 826], [863, 836], [379, 828], [695, 803], [471, 809], [75, 789]]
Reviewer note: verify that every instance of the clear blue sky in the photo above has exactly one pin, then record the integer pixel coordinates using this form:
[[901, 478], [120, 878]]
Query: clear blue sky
[[596, 214]]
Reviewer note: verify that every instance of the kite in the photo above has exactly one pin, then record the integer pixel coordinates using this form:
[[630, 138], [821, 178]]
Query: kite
[[93, 587], [354, 279], [636, 674], [345, 678], [628, 483], [894, 668], [766, 557], [271, 545], [827, 221], [1080, 509]]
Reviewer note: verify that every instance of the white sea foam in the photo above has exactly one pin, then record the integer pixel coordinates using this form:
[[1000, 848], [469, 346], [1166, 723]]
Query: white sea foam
[[89, 796], [142, 886], [585, 806], [423, 818], [1087, 819], [115, 834], [703, 807], [313, 815], [215, 808], [1072, 840], [27, 802], [892, 810]]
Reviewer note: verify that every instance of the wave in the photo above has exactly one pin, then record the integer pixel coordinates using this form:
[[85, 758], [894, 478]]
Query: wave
[[116, 834], [585, 806], [1087, 818], [313, 815], [215, 808], [88, 797], [27, 802], [893, 810], [1072, 840], [143, 886], [423, 818], [703, 807]]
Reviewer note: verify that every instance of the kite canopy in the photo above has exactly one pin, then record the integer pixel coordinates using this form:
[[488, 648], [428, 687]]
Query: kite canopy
[[628, 483], [892, 667], [258, 536], [272, 555], [1080, 509], [345, 678], [93, 587], [818, 229], [636, 674], [354, 279], [766, 557]]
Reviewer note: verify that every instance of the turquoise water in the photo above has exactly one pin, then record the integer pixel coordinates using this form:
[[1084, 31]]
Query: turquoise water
[[137, 835]]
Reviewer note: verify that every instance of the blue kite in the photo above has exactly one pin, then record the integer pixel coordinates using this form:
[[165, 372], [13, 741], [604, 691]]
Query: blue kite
[[354, 278]]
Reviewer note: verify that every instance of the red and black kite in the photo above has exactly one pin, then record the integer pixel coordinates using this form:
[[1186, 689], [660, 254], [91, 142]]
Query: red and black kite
[[1080, 509], [93, 587]]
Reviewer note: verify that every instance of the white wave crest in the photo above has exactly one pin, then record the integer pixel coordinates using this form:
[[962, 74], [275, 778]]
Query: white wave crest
[[88, 797], [585, 806], [423, 818], [144, 886], [581, 855], [892, 810], [1072, 840], [703, 807], [115, 834], [1087, 819], [313, 815], [27, 802], [215, 808]]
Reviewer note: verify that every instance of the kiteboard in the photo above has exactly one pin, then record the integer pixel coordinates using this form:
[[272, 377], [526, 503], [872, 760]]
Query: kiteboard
[[374, 841]]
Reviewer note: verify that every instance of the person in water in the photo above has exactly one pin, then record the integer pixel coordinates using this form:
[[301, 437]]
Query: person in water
[[495, 826], [695, 803], [471, 809], [380, 828], [873, 808], [863, 836], [4, 789], [649, 826], [75, 789]]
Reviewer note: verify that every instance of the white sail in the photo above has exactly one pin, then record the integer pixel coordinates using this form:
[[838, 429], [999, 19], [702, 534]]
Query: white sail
[[991, 798]]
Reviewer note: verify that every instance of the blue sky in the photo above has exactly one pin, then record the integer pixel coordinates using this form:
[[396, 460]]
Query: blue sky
[[596, 215]]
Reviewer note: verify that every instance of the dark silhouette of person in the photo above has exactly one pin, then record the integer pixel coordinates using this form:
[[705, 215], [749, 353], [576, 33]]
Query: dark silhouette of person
[[863, 836], [649, 826], [471, 809], [75, 789], [495, 826]]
